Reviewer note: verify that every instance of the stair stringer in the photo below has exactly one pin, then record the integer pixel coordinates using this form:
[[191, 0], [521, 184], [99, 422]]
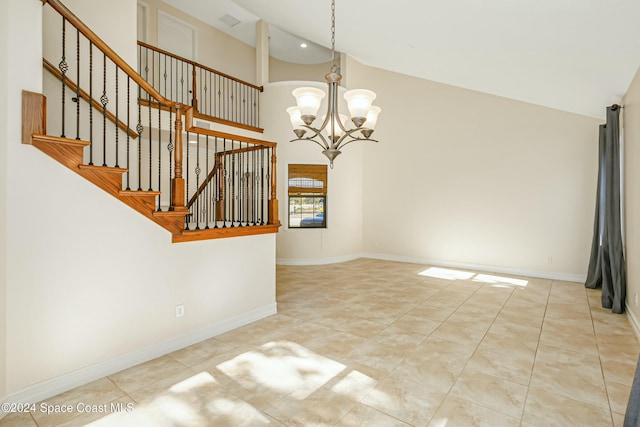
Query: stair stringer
[[69, 152]]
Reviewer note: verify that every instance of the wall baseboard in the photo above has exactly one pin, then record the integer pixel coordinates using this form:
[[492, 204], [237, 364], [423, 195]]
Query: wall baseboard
[[318, 261], [54, 386], [553, 275], [633, 320], [436, 263]]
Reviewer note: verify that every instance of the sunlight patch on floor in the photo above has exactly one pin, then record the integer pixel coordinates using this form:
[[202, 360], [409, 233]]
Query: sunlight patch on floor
[[499, 280], [450, 274], [282, 366], [195, 382], [439, 422], [446, 273]]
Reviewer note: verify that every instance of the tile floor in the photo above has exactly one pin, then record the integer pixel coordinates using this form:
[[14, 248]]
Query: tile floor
[[377, 343]]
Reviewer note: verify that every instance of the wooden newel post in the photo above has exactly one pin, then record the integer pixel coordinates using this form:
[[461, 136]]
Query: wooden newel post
[[177, 183], [274, 219], [194, 99]]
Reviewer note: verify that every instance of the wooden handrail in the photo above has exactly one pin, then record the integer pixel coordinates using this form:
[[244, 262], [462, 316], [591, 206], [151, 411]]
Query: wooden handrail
[[217, 164], [217, 169], [110, 53], [239, 138], [227, 110], [204, 184], [204, 67], [209, 118], [240, 150], [190, 114], [84, 95], [183, 121], [177, 182]]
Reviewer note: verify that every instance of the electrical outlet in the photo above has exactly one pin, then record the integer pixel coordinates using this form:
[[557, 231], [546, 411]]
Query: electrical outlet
[[179, 310], [549, 259], [636, 299]]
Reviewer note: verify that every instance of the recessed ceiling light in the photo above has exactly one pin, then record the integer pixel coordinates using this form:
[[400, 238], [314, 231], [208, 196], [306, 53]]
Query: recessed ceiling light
[[303, 45]]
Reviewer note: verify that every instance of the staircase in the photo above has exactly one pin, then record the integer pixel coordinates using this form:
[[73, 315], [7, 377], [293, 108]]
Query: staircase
[[131, 146]]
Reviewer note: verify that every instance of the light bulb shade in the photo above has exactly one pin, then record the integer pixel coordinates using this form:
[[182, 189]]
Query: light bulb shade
[[337, 130], [308, 100], [295, 116], [372, 117], [359, 101]]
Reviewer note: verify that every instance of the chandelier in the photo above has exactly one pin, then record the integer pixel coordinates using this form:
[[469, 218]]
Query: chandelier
[[333, 133]]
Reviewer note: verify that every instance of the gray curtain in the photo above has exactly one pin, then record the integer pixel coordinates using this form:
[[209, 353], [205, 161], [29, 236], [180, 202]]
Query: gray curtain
[[607, 265], [632, 415]]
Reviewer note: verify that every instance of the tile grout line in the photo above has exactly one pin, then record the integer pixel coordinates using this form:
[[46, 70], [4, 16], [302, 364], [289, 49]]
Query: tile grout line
[[535, 358], [604, 381]]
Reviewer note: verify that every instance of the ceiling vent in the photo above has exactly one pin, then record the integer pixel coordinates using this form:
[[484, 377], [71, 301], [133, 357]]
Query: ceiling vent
[[231, 21]]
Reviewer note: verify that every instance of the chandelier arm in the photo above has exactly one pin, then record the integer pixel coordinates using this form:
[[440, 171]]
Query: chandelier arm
[[356, 139], [326, 121], [309, 139], [349, 134], [324, 144]]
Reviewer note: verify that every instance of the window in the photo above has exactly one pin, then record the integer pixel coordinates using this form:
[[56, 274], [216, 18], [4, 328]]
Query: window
[[307, 196]]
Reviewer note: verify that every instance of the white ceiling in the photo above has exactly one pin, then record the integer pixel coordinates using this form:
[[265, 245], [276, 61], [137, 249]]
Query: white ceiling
[[572, 55]]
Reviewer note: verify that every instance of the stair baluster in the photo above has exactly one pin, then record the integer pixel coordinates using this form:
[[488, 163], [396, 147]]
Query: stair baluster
[[77, 98]]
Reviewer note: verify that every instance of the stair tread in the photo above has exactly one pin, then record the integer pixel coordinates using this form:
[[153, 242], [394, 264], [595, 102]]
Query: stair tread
[[61, 140], [140, 193], [171, 213], [216, 233], [103, 168]]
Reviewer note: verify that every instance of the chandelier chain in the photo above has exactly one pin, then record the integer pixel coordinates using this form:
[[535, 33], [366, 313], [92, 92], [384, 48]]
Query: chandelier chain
[[333, 32]]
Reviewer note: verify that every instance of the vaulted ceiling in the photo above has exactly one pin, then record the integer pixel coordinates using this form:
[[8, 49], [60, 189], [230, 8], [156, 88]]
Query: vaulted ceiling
[[572, 55]]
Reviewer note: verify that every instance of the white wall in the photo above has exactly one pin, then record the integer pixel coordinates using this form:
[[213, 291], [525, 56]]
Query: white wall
[[113, 21], [466, 178], [631, 121], [97, 280], [4, 132], [22, 72], [343, 236], [280, 71], [89, 280]]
